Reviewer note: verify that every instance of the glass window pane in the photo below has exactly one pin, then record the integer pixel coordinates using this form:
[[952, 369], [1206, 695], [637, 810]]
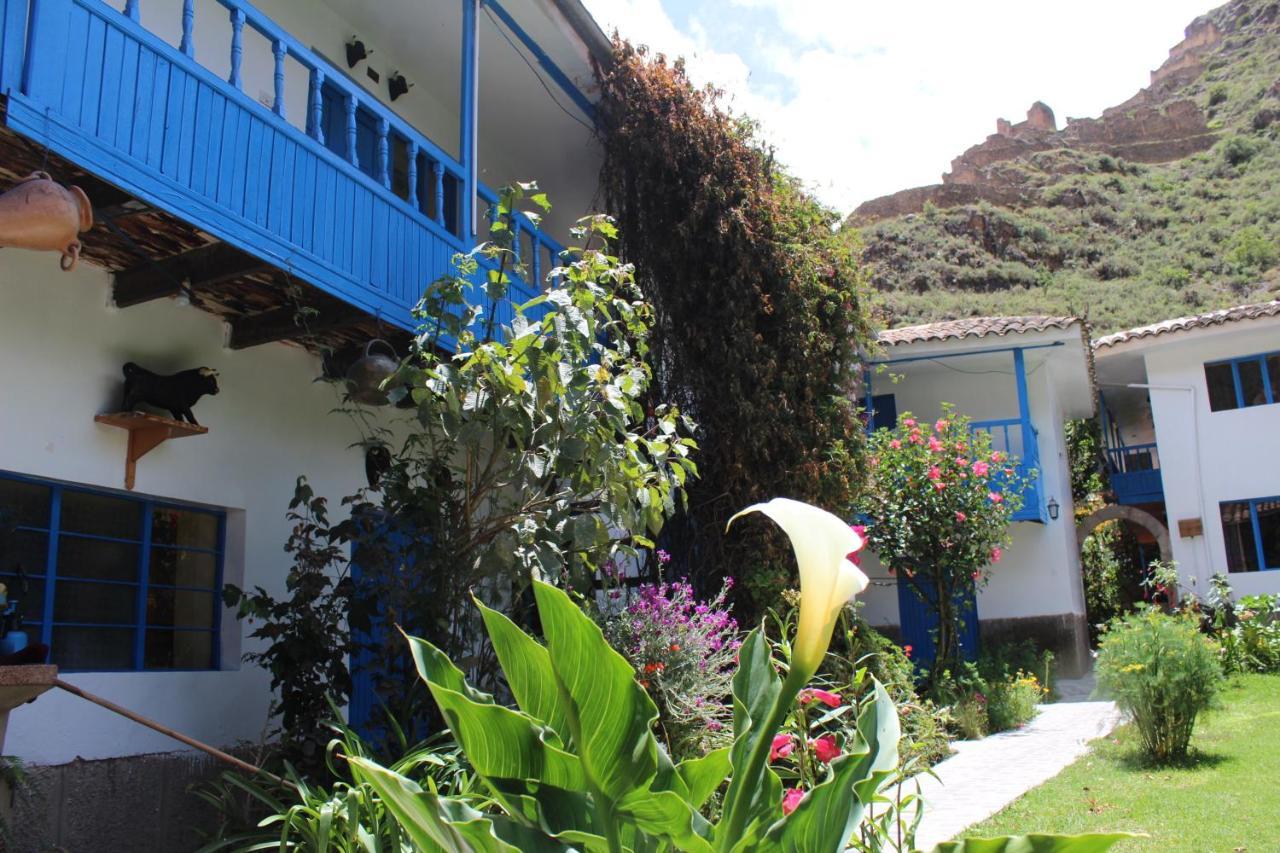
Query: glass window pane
[[1273, 372], [31, 602], [93, 648], [27, 502], [171, 567], [95, 602], [182, 527], [1251, 387], [181, 607], [97, 559], [178, 650], [1237, 530], [26, 549], [1269, 529], [1222, 387], [101, 515]]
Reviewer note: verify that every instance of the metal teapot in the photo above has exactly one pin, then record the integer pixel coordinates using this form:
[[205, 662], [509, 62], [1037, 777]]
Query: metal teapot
[[39, 213], [366, 375]]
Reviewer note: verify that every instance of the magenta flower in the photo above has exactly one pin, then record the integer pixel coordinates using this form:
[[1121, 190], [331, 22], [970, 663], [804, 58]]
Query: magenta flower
[[910, 422], [813, 694], [783, 745], [791, 799], [960, 516], [935, 446], [996, 554], [980, 468], [935, 473], [941, 425], [826, 749], [995, 497]]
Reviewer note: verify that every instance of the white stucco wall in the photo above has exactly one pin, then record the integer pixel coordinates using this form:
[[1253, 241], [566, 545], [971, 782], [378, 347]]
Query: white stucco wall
[[1039, 573], [63, 347], [1210, 457]]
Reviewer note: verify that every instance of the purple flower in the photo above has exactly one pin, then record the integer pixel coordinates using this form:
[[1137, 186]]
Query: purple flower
[[663, 557]]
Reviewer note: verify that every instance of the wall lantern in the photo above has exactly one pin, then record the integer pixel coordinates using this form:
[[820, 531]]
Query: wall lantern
[[1053, 509], [356, 51]]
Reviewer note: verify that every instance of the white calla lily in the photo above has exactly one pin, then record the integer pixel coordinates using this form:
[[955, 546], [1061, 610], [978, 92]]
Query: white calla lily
[[822, 543]]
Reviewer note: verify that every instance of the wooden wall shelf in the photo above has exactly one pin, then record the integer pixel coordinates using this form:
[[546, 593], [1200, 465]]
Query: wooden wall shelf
[[146, 432]]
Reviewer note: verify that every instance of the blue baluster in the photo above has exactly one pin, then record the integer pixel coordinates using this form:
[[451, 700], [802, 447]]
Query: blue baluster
[[352, 155], [315, 116], [131, 10], [384, 145], [280, 52], [437, 170], [515, 239], [188, 27], [237, 45], [413, 174], [536, 278]]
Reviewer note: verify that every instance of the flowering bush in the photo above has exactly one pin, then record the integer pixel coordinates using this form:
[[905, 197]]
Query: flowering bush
[[1011, 702], [940, 500], [683, 651]]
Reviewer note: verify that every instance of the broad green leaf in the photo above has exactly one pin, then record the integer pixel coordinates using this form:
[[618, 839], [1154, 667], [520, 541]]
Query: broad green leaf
[[828, 814], [703, 775], [1090, 843], [755, 691], [527, 666], [664, 815], [610, 713]]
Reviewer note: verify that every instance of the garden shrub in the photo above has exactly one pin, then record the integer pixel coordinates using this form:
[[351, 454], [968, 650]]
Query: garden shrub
[[1011, 702], [1248, 631], [1163, 673], [969, 716]]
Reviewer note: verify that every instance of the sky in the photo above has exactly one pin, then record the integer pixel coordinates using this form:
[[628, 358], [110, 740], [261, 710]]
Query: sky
[[863, 99]]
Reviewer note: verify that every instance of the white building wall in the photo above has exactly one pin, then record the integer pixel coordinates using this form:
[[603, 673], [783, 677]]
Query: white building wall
[[63, 347], [1210, 457], [1039, 573]]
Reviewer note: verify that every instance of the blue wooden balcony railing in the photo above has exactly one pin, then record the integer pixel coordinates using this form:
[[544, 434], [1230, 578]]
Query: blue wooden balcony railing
[[1019, 441], [1134, 471], [360, 202]]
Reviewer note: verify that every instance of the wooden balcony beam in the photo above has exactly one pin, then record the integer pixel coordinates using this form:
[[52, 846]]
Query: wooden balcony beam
[[290, 323], [202, 267]]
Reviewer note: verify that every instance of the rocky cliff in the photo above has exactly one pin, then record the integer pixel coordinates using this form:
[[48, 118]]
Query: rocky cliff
[[1174, 193]]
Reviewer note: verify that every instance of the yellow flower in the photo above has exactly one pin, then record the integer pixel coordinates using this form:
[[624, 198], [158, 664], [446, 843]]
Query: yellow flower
[[822, 544]]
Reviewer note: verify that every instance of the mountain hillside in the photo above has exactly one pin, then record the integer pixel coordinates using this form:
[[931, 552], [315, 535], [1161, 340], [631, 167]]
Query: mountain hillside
[[1167, 204]]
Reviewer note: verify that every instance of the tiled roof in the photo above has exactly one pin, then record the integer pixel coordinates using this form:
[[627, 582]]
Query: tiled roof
[[1184, 324], [974, 327]]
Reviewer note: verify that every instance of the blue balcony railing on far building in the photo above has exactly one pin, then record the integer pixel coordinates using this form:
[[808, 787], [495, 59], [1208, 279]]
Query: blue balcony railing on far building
[[1019, 441], [1134, 471], [352, 197]]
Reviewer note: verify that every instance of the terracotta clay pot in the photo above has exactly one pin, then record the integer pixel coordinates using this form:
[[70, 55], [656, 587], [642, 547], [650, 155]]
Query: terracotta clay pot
[[41, 214], [365, 377]]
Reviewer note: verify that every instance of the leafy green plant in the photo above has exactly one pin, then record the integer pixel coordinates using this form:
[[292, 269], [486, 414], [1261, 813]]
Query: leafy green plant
[[940, 501], [1163, 673], [576, 765], [1011, 702], [1248, 631]]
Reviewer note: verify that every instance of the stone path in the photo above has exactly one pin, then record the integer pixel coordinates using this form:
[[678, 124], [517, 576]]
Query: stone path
[[986, 775]]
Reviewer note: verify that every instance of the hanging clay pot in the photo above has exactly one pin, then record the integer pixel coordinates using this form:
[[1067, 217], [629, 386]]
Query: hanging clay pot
[[365, 377], [41, 214]]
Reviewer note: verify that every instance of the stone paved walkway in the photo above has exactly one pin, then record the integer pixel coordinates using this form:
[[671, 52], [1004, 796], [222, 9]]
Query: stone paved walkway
[[986, 775]]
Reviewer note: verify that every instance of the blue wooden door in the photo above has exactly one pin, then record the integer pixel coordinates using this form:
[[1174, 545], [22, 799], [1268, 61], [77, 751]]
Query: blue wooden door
[[919, 620]]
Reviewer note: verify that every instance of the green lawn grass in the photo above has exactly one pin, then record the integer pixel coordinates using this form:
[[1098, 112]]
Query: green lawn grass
[[1227, 798]]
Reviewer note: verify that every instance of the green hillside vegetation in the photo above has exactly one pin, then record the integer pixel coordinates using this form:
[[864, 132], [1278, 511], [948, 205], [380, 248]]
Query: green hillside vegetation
[[1122, 243]]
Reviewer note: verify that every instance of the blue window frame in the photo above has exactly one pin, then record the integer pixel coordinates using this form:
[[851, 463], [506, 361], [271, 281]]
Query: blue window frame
[[115, 582], [1238, 383], [1251, 529]]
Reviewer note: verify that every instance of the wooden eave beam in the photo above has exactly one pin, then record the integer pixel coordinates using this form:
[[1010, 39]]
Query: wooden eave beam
[[291, 322], [202, 267]]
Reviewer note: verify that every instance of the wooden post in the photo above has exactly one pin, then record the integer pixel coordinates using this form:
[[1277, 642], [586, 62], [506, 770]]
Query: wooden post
[[470, 100], [315, 116], [278, 48], [237, 46], [188, 27], [413, 174]]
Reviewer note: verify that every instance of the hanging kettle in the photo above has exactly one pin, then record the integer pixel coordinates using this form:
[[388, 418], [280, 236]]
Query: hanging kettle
[[366, 375], [39, 213]]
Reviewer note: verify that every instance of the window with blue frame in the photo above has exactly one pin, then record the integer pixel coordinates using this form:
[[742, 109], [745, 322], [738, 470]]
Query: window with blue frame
[[113, 582], [1239, 383], [1252, 532]]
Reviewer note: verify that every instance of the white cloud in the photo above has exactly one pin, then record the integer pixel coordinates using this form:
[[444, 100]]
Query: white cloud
[[863, 99]]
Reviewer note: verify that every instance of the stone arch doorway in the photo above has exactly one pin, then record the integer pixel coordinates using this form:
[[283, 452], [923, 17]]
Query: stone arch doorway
[[1133, 515]]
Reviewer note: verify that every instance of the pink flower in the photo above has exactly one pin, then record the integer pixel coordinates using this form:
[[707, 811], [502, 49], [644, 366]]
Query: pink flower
[[961, 462], [783, 745], [812, 694], [996, 554], [875, 461], [915, 438], [995, 497], [907, 650], [909, 422], [961, 447], [935, 445], [941, 425], [997, 457], [791, 799], [935, 473], [826, 749], [980, 468], [939, 486], [960, 516], [894, 444], [976, 576]]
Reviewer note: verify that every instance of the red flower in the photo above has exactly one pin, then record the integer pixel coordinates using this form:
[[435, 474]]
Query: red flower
[[996, 554], [783, 745], [811, 694], [791, 799], [826, 749], [934, 472], [995, 497], [939, 486], [675, 647], [960, 516], [894, 444], [976, 575], [907, 649]]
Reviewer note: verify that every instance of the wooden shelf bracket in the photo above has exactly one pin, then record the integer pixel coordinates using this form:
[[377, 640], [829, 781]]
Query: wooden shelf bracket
[[146, 432]]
